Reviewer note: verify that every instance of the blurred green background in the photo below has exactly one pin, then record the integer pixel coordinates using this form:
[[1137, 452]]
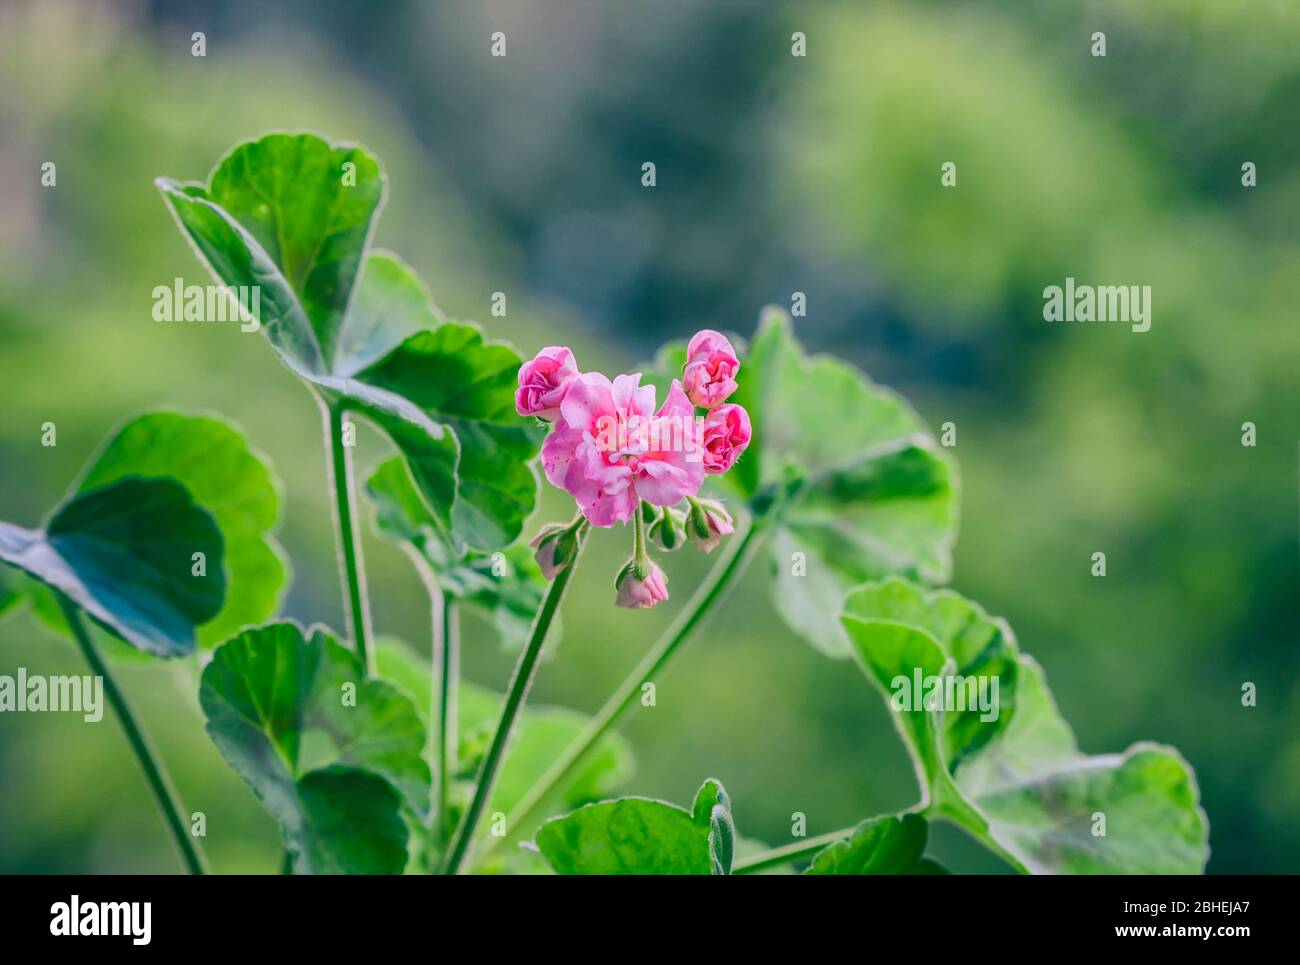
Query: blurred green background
[[776, 174]]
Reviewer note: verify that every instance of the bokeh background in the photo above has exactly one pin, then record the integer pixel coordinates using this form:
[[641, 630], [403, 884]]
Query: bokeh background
[[776, 174]]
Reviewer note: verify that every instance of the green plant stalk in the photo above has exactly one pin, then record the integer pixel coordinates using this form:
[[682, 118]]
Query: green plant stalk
[[520, 683], [445, 660], [353, 575], [447, 654], [790, 852], [154, 772], [638, 544], [737, 558]]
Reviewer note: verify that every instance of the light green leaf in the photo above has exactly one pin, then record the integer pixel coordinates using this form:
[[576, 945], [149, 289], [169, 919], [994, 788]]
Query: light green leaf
[[124, 554], [360, 328], [889, 845], [640, 836], [285, 708], [507, 587], [1010, 771], [224, 475], [854, 487]]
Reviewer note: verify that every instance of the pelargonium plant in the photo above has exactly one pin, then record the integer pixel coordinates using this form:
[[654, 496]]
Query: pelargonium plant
[[373, 759]]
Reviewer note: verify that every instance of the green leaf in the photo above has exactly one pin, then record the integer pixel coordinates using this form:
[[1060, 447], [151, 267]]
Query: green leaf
[[853, 484], [224, 475], [1010, 771], [640, 836], [124, 554], [359, 327], [310, 212], [714, 807], [889, 845], [506, 587], [332, 755]]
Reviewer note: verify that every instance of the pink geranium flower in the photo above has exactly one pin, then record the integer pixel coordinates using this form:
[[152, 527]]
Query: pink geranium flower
[[543, 380], [711, 367], [726, 436], [611, 449]]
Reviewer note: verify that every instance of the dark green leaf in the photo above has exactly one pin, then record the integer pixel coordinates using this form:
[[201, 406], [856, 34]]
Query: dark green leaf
[[124, 553], [233, 482], [283, 707]]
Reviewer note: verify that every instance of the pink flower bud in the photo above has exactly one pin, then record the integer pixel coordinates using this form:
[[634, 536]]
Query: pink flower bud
[[641, 594], [554, 549], [708, 523], [543, 380], [726, 435], [711, 367]]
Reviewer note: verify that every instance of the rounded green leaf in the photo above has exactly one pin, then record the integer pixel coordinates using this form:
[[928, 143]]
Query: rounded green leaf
[[212, 459], [1015, 777], [126, 553], [283, 706]]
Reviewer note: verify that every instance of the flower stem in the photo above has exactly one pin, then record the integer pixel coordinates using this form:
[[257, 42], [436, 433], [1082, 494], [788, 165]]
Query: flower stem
[[445, 660], [738, 555], [154, 772], [349, 538], [525, 671], [790, 852], [447, 655], [638, 538]]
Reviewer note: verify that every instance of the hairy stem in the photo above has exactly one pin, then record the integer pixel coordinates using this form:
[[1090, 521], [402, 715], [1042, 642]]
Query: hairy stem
[[445, 660], [447, 655], [154, 772], [355, 608], [638, 542], [525, 671], [790, 852], [720, 579]]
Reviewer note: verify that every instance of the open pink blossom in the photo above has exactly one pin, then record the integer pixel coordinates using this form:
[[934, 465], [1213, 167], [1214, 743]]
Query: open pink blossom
[[543, 380], [610, 448], [711, 367], [634, 594], [726, 435]]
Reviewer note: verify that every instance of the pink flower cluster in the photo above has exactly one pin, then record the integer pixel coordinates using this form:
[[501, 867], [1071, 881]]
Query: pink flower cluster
[[613, 450]]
